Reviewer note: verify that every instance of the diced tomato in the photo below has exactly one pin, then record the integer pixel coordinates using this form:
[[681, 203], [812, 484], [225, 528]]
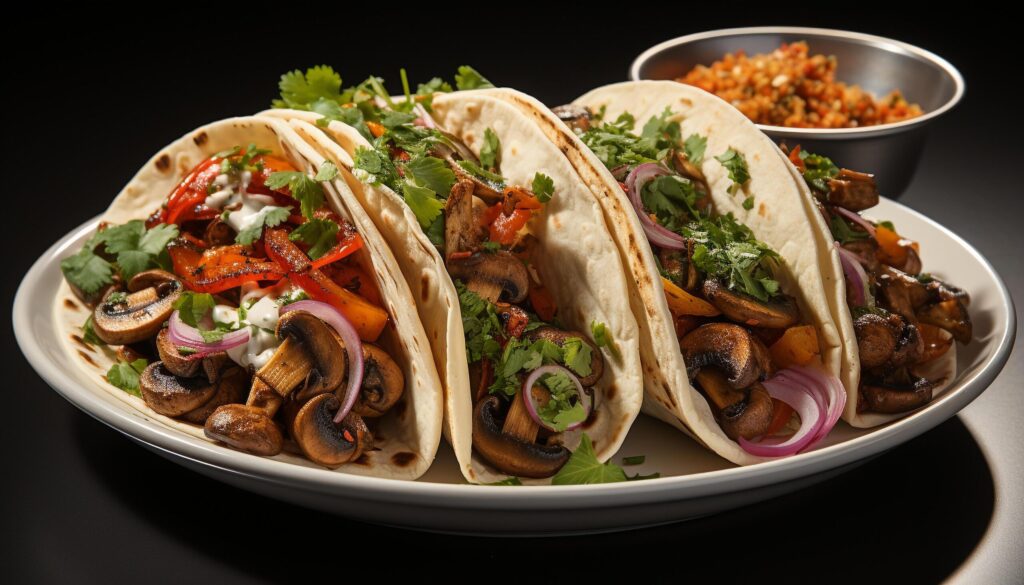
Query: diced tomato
[[542, 301], [505, 227], [794, 157]]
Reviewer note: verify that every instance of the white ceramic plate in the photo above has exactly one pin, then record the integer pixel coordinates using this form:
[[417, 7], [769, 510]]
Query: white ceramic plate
[[694, 482]]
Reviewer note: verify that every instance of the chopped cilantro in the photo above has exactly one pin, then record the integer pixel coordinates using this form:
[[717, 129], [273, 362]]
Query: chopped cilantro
[[326, 172], [634, 460], [543, 187], [728, 250], [818, 170], [89, 333], [193, 307], [432, 173], [694, 148], [423, 204], [298, 90], [135, 248], [125, 375], [748, 203], [843, 233], [480, 325], [469, 78], [603, 338], [584, 467], [577, 355], [564, 407], [736, 164], [490, 152], [320, 234], [376, 168], [116, 298], [304, 188], [435, 233], [269, 216]]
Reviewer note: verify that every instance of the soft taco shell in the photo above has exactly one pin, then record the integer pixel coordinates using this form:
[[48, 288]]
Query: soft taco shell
[[407, 437]]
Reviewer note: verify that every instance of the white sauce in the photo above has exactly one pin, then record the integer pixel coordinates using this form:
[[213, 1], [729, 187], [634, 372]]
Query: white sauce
[[261, 317]]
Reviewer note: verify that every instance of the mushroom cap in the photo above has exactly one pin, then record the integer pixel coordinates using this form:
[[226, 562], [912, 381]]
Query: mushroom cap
[[245, 428], [320, 341], [185, 366], [231, 387], [170, 395], [741, 308], [383, 383], [559, 337], [324, 442], [500, 268], [139, 317], [748, 418], [742, 357], [150, 278], [896, 398], [509, 454]]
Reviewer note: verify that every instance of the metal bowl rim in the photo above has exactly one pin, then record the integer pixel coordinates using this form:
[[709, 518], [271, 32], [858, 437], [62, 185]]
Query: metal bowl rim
[[864, 39]]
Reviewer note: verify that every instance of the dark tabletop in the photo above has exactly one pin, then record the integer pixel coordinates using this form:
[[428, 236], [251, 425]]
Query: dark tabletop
[[79, 503]]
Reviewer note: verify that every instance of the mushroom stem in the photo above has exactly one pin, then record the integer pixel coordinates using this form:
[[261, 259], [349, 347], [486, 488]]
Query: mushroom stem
[[287, 368], [716, 387], [264, 398], [518, 422], [487, 290]]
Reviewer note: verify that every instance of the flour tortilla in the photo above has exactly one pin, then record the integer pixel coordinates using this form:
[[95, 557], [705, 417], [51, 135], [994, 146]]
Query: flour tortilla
[[577, 248], [943, 368], [407, 437], [778, 218]]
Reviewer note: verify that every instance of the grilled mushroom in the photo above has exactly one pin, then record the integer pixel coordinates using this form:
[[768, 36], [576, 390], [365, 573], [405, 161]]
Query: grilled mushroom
[[383, 383], [497, 276], [852, 190], [170, 395], [461, 232], [245, 428], [887, 341], [185, 365], [731, 348], [509, 451], [779, 313], [896, 393], [230, 390], [559, 337], [140, 314], [325, 442], [307, 357], [574, 116], [740, 413], [950, 315]]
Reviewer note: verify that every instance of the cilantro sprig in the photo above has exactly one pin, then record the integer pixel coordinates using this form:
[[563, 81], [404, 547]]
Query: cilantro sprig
[[584, 467], [818, 170], [303, 188], [125, 375], [133, 247], [734, 162]]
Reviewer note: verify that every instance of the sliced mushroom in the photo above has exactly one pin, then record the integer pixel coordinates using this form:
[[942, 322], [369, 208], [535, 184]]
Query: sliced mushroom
[[151, 278], [170, 395], [508, 453], [230, 390], [497, 276], [852, 190], [309, 357], [887, 341], [742, 357], [245, 428], [740, 413], [187, 365], [899, 393], [383, 383], [219, 233], [559, 337], [489, 193], [779, 313], [139, 315], [574, 116], [264, 398], [950, 315], [866, 251], [461, 233], [324, 442]]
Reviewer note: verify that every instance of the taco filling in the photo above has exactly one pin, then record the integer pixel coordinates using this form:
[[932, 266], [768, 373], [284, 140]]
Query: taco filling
[[239, 305], [747, 348], [903, 318], [532, 380]]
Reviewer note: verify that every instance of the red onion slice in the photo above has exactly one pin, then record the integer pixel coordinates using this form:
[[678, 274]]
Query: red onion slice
[[620, 172], [857, 219], [856, 277], [531, 404], [425, 119], [656, 234], [353, 347], [806, 402], [185, 335], [834, 394]]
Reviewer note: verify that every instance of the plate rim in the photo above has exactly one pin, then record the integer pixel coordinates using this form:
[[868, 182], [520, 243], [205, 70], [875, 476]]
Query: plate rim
[[682, 487]]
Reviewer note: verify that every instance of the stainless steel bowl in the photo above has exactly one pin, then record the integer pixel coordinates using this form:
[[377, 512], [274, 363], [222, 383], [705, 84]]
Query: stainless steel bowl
[[879, 65]]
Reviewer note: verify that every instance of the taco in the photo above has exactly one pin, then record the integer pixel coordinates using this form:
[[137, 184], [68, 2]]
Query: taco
[[233, 291], [898, 323], [738, 345], [518, 282]]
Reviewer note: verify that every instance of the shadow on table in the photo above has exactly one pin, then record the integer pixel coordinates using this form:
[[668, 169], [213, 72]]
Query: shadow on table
[[912, 515]]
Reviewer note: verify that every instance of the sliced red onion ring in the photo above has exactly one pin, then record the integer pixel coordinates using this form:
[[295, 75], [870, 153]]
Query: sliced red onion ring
[[856, 277], [353, 347], [531, 404], [835, 395], [656, 234], [425, 119], [185, 335], [857, 219]]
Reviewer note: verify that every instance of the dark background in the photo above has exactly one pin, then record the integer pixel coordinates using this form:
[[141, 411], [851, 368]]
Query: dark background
[[86, 103]]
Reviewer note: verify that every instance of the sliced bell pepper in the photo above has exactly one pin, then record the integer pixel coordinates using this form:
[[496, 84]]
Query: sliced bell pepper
[[798, 346], [188, 261], [681, 302], [505, 227], [355, 279], [542, 301], [342, 249]]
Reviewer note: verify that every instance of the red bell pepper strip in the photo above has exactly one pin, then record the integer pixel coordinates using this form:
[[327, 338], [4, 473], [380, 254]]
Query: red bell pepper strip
[[342, 249]]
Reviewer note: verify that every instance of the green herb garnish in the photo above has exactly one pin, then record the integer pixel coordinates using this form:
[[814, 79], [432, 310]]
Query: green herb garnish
[[603, 338], [125, 375], [694, 148], [469, 78], [736, 164], [134, 247], [490, 152], [584, 467], [543, 187], [269, 216], [634, 460], [319, 234]]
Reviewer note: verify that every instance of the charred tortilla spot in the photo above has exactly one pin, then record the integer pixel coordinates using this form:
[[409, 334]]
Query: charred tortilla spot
[[200, 139], [403, 458], [425, 288], [363, 459], [610, 391], [87, 358], [762, 210], [163, 163], [68, 303]]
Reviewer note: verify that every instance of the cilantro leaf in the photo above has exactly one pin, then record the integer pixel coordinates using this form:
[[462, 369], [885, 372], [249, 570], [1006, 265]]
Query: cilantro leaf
[[736, 164], [422, 202], [748, 203], [269, 216], [125, 375], [564, 407], [321, 234], [193, 307], [302, 188], [432, 173], [543, 187], [728, 250], [603, 338], [584, 467], [374, 167], [326, 172], [435, 233], [577, 356], [469, 78], [482, 173], [136, 249], [89, 333], [843, 233], [490, 152], [694, 148], [87, 271], [634, 460], [818, 170], [480, 325], [298, 90]]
